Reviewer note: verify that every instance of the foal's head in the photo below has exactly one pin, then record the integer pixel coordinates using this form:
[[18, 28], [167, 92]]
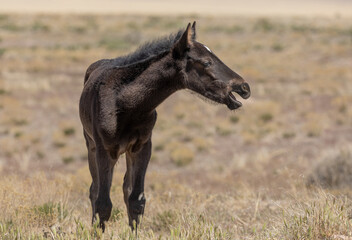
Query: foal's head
[[206, 74]]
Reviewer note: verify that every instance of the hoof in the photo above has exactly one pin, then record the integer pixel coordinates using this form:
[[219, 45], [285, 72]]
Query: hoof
[[102, 226], [136, 211], [103, 208]]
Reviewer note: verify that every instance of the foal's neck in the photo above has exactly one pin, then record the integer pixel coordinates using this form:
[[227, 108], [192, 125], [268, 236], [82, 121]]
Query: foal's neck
[[153, 85]]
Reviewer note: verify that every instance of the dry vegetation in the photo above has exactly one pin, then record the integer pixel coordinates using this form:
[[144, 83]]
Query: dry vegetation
[[255, 173]]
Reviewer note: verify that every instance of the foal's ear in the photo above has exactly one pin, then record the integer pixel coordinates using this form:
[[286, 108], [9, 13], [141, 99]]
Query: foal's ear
[[194, 31], [184, 43]]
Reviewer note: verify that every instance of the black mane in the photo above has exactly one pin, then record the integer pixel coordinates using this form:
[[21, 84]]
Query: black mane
[[149, 49]]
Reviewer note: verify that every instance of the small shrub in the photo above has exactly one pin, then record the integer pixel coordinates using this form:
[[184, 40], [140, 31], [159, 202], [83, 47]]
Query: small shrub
[[180, 116], [186, 138], [235, 29], [277, 47], [39, 26], [257, 47], [2, 51], [154, 158], [78, 29], [132, 25], [266, 117], [172, 24], [69, 131], [224, 128], [333, 172], [201, 144], [288, 135], [11, 27], [303, 28], [341, 103], [234, 119], [264, 24], [18, 134], [40, 154], [249, 136], [19, 122], [114, 43], [152, 21], [194, 124], [4, 17], [68, 159], [179, 110], [182, 156], [159, 147], [313, 125], [59, 144]]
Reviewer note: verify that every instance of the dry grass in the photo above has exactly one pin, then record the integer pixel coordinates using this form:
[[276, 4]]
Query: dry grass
[[174, 211], [214, 174], [333, 172]]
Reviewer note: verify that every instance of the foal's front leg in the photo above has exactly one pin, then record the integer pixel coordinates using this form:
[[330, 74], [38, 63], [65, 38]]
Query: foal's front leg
[[133, 186]]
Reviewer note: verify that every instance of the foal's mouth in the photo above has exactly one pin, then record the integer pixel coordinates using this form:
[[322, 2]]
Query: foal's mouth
[[243, 90], [234, 103]]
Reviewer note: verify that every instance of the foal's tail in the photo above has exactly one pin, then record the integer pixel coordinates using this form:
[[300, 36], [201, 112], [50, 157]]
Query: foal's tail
[[94, 66]]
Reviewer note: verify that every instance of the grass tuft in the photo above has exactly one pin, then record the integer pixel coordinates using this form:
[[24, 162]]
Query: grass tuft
[[264, 24], [69, 131], [333, 172], [182, 156], [319, 220], [163, 221], [68, 159]]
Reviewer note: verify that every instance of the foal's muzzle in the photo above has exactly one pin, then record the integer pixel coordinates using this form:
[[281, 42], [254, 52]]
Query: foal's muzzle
[[243, 90]]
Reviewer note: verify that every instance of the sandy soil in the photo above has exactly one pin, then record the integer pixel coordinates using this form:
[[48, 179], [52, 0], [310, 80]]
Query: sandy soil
[[223, 7]]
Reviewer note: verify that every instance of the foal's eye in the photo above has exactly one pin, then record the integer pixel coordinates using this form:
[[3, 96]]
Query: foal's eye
[[206, 63]]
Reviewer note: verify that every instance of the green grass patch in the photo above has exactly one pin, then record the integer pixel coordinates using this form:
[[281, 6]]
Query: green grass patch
[[69, 131], [19, 122], [182, 156], [40, 27], [266, 117], [114, 43], [2, 51], [264, 24], [68, 159]]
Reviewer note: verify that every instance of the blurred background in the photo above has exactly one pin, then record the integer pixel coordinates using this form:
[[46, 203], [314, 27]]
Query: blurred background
[[160, 7], [280, 167]]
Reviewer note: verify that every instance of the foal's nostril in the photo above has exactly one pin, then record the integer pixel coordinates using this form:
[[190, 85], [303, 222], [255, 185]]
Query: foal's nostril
[[246, 91], [242, 89], [245, 87]]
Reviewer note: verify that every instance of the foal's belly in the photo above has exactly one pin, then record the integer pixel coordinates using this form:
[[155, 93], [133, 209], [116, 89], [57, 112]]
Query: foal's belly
[[127, 135], [131, 142]]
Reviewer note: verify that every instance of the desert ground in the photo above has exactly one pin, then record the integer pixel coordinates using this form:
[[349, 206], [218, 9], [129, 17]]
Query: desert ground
[[280, 167]]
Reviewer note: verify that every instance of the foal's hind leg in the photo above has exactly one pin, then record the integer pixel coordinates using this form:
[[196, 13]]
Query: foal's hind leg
[[133, 186], [93, 190], [103, 204]]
